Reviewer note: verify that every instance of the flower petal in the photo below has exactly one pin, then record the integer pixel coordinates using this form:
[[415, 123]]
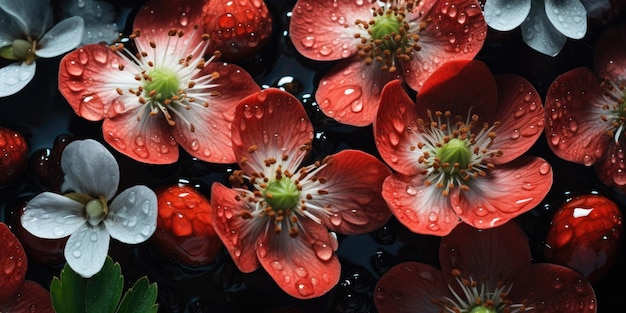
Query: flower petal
[[609, 60], [52, 216], [395, 129], [574, 108], [211, 141], [550, 282], [538, 32], [353, 180], [410, 287], [89, 168], [239, 235], [473, 90], [455, 30], [610, 167], [86, 250], [132, 215], [507, 191], [504, 15], [350, 91], [11, 29], [33, 17], [318, 28], [306, 266], [30, 297], [521, 115], [422, 209], [497, 253], [13, 257], [147, 139], [100, 17], [568, 16], [270, 124], [63, 37], [87, 80], [15, 76]]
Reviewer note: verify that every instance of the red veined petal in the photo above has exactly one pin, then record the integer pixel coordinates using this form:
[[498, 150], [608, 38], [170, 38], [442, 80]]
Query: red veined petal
[[459, 86], [305, 266], [422, 209], [88, 78], [455, 30], [507, 191], [210, 140], [350, 92], [395, 129], [611, 168], [238, 235], [521, 114], [31, 297], [270, 124], [146, 139], [574, 108], [410, 287], [353, 180], [14, 262], [609, 59], [318, 28]]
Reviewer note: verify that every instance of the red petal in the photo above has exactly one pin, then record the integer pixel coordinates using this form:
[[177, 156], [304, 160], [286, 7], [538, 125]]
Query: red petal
[[553, 289], [238, 235], [317, 27], [507, 191], [147, 141], [270, 124], [31, 297], [211, 139], [522, 116], [351, 90], [14, 263], [609, 59], [422, 209], [459, 86], [87, 80], [305, 266], [354, 181], [410, 287], [574, 106], [395, 130], [455, 30], [497, 253], [611, 168]]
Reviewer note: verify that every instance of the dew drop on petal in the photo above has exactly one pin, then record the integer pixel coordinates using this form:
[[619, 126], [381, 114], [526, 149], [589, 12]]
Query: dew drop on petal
[[301, 271], [336, 219], [9, 265], [77, 253], [411, 190], [322, 250], [304, 287], [277, 265], [544, 168]]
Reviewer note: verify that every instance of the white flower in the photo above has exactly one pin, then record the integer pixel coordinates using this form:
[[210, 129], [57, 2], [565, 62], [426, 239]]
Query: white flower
[[23, 38], [100, 19], [85, 211], [546, 24]]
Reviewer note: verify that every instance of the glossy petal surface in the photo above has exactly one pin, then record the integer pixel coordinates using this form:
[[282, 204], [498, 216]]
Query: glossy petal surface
[[52, 216], [504, 15], [63, 37], [15, 76], [86, 249], [538, 32], [13, 258], [90, 169], [609, 60], [568, 16], [132, 215]]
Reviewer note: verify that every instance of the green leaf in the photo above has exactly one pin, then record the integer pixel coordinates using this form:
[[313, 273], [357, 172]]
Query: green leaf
[[104, 290], [140, 298], [68, 292]]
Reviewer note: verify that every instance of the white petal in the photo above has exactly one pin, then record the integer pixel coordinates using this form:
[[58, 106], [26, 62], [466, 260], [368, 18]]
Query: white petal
[[86, 250], [10, 29], [90, 168], [100, 19], [15, 76], [33, 16], [132, 215], [63, 37], [539, 34], [568, 16], [504, 15], [52, 216]]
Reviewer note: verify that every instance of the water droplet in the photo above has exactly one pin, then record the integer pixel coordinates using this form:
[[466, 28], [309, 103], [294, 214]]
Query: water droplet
[[544, 168], [322, 250], [74, 68], [336, 219], [528, 186], [304, 287], [411, 190], [572, 124], [77, 253], [301, 271], [9, 265], [325, 50], [277, 265], [394, 139], [195, 145], [58, 231]]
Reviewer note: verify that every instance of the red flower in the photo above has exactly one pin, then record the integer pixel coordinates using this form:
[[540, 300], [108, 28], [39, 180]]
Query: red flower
[[586, 111], [164, 95], [281, 221], [484, 271], [379, 41], [458, 152]]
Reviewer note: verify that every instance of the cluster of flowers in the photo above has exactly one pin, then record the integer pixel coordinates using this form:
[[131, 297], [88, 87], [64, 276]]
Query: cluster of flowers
[[453, 159]]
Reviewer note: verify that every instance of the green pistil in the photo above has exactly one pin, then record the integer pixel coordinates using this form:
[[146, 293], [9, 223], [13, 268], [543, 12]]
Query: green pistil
[[282, 194], [163, 84], [456, 154], [483, 309], [385, 28], [96, 210]]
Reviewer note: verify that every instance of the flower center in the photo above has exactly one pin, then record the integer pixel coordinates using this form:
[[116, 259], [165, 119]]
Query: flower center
[[390, 36], [96, 210], [20, 50], [479, 297], [282, 194], [452, 152], [164, 84], [617, 116]]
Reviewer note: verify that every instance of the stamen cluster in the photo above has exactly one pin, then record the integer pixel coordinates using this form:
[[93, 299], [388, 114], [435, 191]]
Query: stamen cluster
[[617, 108]]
